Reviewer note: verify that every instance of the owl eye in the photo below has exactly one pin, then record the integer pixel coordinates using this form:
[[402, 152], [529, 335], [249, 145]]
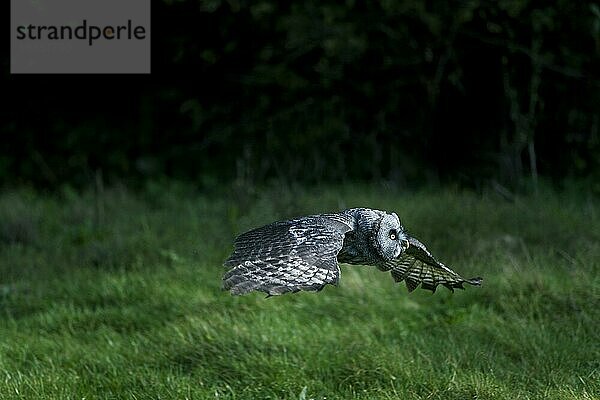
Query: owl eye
[[393, 234]]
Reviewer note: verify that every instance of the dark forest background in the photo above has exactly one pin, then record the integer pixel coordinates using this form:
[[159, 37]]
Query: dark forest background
[[473, 92]]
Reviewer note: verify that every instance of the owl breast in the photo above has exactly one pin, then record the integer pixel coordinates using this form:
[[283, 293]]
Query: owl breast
[[349, 252], [357, 249]]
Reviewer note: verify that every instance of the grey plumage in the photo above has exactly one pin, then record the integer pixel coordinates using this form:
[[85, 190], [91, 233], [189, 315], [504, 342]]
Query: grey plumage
[[303, 254]]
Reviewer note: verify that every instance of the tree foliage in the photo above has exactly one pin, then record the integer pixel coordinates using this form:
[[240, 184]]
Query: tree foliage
[[326, 90]]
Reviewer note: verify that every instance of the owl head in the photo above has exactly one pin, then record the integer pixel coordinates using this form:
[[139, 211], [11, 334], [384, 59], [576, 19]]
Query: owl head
[[390, 238]]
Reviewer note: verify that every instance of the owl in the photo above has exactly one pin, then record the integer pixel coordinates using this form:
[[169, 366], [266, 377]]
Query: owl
[[304, 254]]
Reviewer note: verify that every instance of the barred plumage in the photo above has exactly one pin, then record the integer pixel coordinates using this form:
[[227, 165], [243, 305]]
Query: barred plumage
[[303, 254]]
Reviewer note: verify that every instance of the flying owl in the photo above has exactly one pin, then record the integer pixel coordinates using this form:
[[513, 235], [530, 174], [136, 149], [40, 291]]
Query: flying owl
[[303, 254]]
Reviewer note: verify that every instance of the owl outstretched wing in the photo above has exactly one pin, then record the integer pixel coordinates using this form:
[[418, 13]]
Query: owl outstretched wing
[[287, 256], [417, 266]]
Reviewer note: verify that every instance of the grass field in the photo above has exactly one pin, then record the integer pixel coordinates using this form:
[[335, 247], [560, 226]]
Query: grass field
[[117, 295]]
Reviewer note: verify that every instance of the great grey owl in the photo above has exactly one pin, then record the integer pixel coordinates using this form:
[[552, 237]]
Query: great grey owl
[[303, 254]]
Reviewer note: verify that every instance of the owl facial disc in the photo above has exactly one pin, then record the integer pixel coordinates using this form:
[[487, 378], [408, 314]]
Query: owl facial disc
[[390, 237]]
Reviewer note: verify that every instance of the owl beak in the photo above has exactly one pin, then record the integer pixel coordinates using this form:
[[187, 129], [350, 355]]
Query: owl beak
[[404, 244]]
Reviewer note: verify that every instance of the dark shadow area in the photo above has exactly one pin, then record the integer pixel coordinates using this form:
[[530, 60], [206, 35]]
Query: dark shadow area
[[479, 94]]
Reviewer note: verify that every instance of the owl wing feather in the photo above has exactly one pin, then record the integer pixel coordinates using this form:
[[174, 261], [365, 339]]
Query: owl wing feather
[[418, 266], [287, 256]]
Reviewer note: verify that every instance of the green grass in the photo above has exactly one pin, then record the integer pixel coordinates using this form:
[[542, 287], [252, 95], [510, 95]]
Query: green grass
[[118, 296]]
